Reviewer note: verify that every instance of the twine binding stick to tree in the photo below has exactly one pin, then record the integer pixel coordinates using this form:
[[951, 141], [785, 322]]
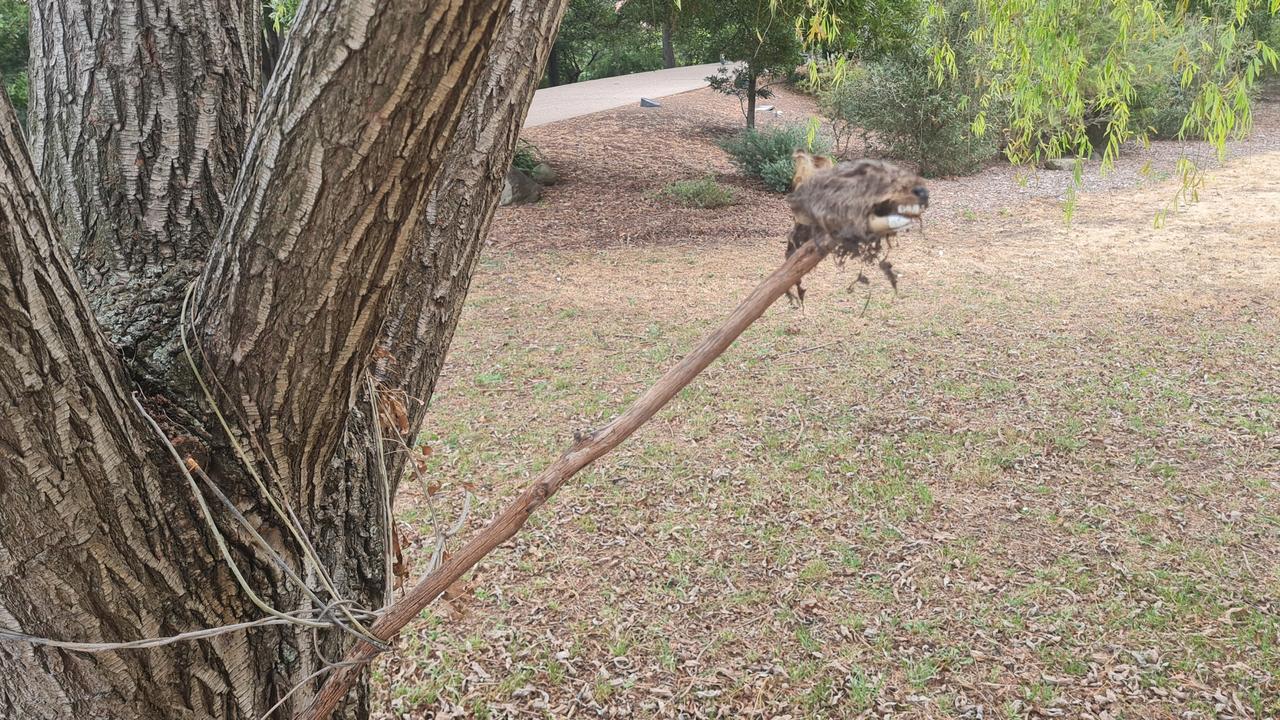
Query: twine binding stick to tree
[[582, 453]]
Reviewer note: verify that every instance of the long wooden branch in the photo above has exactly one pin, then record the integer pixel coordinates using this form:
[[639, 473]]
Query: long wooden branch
[[582, 453]]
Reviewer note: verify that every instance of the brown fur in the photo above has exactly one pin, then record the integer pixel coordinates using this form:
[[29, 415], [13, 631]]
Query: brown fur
[[807, 165], [833, 204]]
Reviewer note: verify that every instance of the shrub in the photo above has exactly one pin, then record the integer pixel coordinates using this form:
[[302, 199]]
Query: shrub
[[902, 113], [821, 74], [17, 86], [527, 157], [704, 192], [1161, 103], [1160, 107], [766, 153]]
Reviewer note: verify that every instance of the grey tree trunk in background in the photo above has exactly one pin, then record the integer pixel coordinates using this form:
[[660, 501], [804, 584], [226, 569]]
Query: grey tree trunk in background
[[330, 217], [668, 46]]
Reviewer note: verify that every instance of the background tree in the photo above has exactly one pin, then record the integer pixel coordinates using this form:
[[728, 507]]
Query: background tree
[[604, 38], [661, 14], [13, 52], [327, 220], [772, 38], [758, 38]]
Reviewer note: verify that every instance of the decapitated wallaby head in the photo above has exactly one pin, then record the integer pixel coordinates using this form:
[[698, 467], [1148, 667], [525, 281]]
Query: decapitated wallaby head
[[857, 201], [856, 206]]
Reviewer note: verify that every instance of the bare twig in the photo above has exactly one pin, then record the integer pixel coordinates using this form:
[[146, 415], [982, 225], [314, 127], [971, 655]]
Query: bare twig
[[583, 452]]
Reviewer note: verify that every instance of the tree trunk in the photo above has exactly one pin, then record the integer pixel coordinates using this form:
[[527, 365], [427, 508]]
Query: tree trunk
[[97, 540], [668, 47], [140, 115], [553, 68], [752, 84], [355, 225], [427, 298]]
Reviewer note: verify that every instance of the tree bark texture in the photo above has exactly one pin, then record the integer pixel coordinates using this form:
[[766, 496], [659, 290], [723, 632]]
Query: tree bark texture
[[353, 223], [428, 296], [333, 192], [97, 543], [140, 112]]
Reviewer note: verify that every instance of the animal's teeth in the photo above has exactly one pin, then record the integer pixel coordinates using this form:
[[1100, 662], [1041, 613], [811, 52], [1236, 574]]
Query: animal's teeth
[[888, 223], [909, 209]]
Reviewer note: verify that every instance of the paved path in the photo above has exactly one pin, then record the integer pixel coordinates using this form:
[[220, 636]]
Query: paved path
[[568, 101]]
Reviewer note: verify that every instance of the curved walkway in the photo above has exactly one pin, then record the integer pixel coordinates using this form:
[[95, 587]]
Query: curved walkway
[[569, 101]]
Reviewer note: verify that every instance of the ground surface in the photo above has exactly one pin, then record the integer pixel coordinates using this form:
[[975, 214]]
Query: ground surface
[[575, 99], [1042, 481]]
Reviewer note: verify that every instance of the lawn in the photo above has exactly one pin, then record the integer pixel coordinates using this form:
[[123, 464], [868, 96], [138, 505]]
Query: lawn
[[1043, 480]]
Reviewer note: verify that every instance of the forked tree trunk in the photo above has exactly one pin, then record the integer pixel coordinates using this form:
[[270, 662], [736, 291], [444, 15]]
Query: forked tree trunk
[[357, 188], [98, 541]]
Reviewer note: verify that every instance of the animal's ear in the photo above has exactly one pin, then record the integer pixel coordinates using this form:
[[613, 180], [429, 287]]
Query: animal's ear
[[806, 164]]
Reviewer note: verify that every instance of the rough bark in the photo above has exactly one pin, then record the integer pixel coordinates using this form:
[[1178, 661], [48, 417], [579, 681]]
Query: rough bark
[[140, 112], [753, 83], [97, 542], [354, 188], [332, 195], [428, 296], [331, 201]]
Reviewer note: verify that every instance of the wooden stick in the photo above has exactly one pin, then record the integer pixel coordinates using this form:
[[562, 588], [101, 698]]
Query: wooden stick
[[582, 453]]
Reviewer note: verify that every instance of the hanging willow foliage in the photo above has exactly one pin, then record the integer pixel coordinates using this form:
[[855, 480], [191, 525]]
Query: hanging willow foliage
[[1064, 72]]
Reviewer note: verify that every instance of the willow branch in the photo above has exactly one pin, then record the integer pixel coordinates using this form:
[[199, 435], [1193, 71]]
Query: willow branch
[[583, 452]]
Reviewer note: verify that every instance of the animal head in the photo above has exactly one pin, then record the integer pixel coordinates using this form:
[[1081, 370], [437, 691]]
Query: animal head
[[856, 203]]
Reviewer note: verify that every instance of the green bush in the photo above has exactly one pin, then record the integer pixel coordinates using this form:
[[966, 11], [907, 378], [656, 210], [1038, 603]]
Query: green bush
[[1161, 106], [821, 74], [766, 153], [902, 113], [527, 156], [1161, 103], [18, 88], [704, 192], [14, 20]]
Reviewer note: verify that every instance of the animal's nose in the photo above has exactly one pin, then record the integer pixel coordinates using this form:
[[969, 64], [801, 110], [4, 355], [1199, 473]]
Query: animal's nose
[[921, 192]]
